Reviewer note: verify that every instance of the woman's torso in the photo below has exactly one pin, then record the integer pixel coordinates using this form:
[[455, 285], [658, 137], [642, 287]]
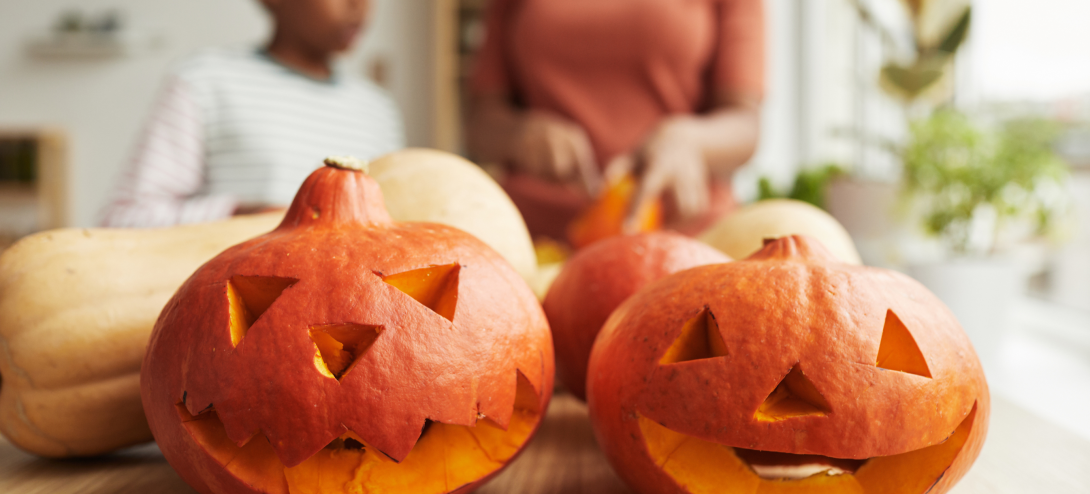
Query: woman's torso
[[617, 67]]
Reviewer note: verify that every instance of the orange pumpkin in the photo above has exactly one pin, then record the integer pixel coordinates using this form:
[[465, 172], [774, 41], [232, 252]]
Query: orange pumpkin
[[787, 372], [605, 217], [597, 279], [343, 352]]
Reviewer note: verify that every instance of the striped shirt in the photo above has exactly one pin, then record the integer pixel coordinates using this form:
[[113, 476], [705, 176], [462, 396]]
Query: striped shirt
[[235, 127]]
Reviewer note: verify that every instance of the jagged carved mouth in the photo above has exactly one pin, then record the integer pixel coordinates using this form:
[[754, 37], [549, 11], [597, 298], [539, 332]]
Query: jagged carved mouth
[[445, 458], [701, 466]]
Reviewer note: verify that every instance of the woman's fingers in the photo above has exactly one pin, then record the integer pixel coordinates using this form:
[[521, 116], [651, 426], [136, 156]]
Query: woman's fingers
[[691, 189], [653, 183], [585, 165], [554, 148], [561, 159], [679, 169]]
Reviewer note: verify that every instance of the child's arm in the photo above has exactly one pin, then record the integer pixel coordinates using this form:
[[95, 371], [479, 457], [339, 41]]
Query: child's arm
[[162, 185]]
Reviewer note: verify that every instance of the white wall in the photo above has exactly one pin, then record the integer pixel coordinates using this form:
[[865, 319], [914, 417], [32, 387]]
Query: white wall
[[400, 35], [102, 103], [1037, 50], [777, 153], [821, 93]]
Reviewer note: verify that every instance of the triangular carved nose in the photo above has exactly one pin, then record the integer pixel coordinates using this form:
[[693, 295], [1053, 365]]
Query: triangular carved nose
[[436, 287], [248, 297], [795, 396], [699, 339], [898, 350], [339, 345]]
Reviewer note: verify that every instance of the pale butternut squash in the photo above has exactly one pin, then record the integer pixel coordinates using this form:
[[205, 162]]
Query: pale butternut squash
[[76, 309]]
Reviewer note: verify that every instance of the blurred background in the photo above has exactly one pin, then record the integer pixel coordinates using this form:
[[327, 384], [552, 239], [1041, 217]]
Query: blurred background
[[870, 110]]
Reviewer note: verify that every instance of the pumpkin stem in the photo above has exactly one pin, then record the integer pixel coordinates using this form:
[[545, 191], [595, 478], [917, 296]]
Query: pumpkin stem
[[339, 193], [793, 246], [348, 163]]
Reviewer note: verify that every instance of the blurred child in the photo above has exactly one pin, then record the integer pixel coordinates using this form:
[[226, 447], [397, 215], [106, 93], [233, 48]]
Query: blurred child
[[237, 131]]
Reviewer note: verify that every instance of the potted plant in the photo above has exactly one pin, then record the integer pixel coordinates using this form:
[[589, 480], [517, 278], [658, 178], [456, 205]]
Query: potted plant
[[864, 200], [980, 193]]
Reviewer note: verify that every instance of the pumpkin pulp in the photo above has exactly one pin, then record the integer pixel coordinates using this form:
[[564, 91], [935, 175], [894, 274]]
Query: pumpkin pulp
[[701, 466], [445, 457], [606, 216]]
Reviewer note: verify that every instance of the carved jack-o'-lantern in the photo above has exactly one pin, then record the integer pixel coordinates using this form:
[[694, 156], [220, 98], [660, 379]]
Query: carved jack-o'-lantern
[[787, 372], [343, 352]]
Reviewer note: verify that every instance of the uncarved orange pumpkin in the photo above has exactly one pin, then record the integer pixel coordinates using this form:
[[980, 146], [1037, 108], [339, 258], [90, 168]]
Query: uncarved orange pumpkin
[[598, 278], [344, 352], [787, 372]]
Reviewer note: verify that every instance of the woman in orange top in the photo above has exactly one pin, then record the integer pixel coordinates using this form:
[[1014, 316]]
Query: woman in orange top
[[566, 91]]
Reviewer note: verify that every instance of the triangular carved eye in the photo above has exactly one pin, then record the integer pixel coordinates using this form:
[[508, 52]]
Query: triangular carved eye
[[339, 345], [699, 339], [795, 396], [436, 287], [898, 350], [248, 297]]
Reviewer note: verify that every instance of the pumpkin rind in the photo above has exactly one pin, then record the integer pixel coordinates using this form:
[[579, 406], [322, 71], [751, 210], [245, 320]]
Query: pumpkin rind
[[789, 305], [338, 243], [598, 278]]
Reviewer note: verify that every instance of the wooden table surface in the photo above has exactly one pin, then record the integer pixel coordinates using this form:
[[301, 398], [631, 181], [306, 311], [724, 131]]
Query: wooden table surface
[[1023, 454]]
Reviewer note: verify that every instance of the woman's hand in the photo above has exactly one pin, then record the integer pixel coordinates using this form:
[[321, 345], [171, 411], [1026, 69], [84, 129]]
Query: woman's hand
[[556, 149], [672, 159]]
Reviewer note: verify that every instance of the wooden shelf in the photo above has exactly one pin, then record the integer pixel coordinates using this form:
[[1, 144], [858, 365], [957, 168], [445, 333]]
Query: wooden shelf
[[451, 65], [44, 196]]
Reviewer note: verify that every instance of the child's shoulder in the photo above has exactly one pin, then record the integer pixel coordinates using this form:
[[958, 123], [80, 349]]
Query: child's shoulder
[[217, 63]]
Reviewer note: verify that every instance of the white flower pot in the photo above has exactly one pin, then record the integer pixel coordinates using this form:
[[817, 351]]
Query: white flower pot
[[981, 293]]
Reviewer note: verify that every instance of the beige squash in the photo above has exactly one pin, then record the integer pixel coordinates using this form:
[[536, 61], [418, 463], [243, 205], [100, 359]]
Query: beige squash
[[76, 309], [439, 187], [743, 232]]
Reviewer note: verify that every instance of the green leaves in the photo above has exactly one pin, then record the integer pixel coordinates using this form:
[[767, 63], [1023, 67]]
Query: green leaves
[[810, 185], [953, 168], [912, 80]]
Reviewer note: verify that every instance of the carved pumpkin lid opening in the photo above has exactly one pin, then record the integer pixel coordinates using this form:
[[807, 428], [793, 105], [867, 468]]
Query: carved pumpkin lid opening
[[898, 350], [795, 396], [249, 297], [699, 339], [436, 287], [339, 345]]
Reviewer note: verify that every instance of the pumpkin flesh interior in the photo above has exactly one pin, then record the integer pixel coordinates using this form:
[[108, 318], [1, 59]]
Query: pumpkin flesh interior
[[445, 457], [700, 466], [436, 287]]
